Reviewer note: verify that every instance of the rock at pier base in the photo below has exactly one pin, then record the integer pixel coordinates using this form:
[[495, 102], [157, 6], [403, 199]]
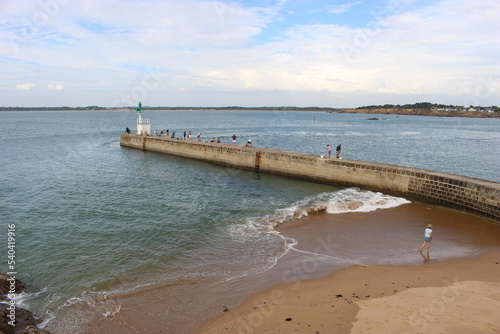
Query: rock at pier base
[[25, 321], [5, 285]]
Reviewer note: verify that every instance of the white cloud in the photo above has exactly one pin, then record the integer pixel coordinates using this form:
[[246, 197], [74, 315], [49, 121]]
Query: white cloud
[[338, 9], [55, 87], [209, 46], [26, 86]]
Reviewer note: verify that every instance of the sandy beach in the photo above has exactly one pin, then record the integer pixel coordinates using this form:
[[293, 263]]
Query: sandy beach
[[344, 269], [456, 296], [434, 295]]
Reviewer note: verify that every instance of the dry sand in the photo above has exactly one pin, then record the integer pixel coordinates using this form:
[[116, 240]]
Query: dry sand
[[455, 296]]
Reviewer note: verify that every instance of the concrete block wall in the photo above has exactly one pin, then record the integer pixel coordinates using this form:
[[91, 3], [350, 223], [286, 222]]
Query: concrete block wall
[[459, 192], [223, 154], [134, 141]]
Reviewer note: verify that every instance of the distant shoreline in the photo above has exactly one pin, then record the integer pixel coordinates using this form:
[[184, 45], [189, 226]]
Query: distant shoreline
[[420, 112], [361, 110]]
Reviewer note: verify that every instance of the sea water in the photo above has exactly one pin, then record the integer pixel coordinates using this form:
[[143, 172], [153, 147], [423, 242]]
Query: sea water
[[92, 218]]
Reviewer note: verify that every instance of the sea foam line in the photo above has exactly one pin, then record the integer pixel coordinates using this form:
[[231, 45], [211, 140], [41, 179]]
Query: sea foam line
[[342, 201], [338, 202]]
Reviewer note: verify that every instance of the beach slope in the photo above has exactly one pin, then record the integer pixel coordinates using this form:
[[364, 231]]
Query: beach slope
[[455, 296]]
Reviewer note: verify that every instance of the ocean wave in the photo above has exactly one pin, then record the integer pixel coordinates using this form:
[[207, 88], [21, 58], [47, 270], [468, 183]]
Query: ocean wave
[[262, 230], [338, 202], [24, 299], [343, 201], [410, 133], [356, 200]]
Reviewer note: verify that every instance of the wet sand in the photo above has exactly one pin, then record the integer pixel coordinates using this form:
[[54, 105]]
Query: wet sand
[[456, 296], [373, 245]]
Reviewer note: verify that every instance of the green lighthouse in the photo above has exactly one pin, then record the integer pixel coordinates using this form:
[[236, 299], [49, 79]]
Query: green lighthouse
[[143, 125]]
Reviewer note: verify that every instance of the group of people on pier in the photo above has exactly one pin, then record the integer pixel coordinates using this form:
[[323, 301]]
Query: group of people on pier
[[337, 153], [188, 134]]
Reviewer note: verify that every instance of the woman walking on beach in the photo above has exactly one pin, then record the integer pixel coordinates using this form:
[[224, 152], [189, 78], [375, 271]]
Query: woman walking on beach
[[427, 238]]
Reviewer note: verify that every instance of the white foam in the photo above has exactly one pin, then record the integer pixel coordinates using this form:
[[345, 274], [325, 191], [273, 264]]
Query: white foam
[[49, 316], [355, 200], [338, 202], [343, 201], [410, 133]]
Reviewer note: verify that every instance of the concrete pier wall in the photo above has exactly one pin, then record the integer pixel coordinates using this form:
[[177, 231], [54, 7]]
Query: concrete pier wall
[[459, 192]]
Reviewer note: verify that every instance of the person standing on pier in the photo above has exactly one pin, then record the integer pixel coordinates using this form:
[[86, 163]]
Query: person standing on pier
[[234, 138], [339, 148], [329, 150]]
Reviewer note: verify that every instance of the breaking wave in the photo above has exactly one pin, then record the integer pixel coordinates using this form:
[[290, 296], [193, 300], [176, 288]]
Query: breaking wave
[[343, 201]]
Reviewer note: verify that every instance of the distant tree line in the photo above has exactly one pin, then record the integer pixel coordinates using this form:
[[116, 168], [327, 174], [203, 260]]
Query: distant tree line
[[51, 108], [431, 106], [415, 106], [283, 108]]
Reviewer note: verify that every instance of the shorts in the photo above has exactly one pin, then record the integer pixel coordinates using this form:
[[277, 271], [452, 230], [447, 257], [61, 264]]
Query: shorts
[[427, 239]]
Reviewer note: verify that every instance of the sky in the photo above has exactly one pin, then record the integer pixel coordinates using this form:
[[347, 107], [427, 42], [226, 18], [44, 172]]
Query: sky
[[249, 53]]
